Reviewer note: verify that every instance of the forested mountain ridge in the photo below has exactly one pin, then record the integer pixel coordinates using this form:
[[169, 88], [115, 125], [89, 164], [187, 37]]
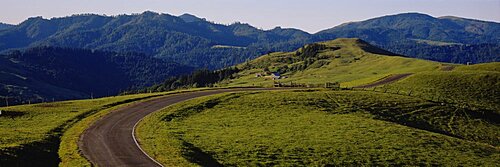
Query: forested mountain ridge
[[185, 40], [45, 69], [415, 26], [5, 26], [197, 42], [445, 39], [49, 73]]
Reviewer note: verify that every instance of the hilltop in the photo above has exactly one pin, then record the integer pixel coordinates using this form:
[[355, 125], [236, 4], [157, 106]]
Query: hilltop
[[354, 63], [350, 61]]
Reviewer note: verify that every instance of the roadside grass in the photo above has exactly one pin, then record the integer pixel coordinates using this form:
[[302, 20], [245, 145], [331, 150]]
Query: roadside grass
[[69, 152], [47, 134], [317, 128], [32, 136]]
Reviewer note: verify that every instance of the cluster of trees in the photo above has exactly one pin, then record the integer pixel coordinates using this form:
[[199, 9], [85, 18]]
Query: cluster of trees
[[198, 78]]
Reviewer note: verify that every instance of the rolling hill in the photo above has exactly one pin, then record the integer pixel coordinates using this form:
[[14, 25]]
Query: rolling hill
[[354, 63], [436, 114], [48, 73], [319, 128], [349, 61]]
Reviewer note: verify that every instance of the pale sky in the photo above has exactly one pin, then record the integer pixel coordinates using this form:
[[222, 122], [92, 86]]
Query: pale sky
[[308, 15]]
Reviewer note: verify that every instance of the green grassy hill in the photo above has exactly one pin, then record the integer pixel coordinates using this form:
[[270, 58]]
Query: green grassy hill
[[355, 63], [319, 128], [352, 62], [475, 85]]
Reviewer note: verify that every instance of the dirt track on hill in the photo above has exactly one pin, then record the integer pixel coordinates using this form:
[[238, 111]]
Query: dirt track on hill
[[110, 141], [389, 79]]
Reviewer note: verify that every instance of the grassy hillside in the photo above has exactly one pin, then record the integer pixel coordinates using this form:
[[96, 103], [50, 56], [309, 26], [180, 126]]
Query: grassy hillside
[[318, 128], [476, 85], [355, 63], [349, 61]]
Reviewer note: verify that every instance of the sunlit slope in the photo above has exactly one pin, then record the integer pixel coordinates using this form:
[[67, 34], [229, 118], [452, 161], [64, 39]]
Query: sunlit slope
[[476, 85], [349, 61], [319, 128]]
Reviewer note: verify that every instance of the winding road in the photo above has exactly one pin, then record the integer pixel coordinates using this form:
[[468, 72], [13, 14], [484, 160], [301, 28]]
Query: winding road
[[110, 141]]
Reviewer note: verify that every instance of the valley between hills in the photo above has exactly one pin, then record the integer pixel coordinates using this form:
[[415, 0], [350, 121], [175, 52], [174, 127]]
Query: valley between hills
[[345, 96]]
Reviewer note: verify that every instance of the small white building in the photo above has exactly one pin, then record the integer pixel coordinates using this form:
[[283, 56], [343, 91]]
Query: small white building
[[275, 75]]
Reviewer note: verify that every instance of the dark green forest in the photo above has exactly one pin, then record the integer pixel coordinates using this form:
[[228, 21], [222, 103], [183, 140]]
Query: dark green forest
[[49, 73], [198, 78]]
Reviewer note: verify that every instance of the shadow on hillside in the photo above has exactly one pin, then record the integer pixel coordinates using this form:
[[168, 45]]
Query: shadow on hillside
[[10, 114], [35, 154], [198, 156]]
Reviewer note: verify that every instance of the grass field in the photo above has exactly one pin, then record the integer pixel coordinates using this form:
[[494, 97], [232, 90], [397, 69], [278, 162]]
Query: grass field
[[317, 128]]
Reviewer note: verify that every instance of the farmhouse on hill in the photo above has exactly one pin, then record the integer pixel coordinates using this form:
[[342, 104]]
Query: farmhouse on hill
[[276, 75]]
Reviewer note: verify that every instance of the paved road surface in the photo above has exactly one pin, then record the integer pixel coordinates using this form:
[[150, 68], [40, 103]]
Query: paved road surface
[[110, 141]]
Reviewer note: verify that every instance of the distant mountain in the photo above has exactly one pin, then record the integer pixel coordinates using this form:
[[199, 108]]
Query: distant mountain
[[414, 34], [120, 52], [415, 26], [4, 26], [186, 39], [196, 42], [47, 73]]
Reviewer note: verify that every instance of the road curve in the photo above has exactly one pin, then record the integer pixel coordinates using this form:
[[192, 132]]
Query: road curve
[[110, 141]]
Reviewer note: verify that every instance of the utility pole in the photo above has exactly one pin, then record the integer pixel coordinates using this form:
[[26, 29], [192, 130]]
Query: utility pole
[[6, 101], [91, 95]]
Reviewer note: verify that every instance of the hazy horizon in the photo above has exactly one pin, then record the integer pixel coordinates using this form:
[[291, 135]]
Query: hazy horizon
[[307, 16]]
